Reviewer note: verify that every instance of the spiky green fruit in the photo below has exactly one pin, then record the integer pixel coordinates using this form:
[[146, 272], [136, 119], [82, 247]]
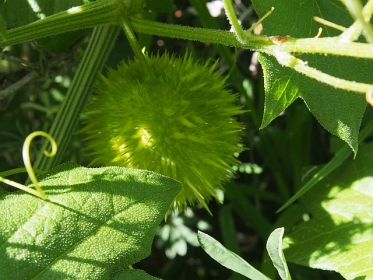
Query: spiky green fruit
[[176, 118]]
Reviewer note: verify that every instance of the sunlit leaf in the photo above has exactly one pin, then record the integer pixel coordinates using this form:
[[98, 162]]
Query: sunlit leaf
[[339, 237], [98, 221]]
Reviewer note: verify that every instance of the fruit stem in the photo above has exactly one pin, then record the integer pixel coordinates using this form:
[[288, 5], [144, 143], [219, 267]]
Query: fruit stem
[[135, 45]]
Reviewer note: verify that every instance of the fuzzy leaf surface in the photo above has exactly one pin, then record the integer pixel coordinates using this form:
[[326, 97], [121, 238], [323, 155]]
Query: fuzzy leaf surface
[[98, 221], [339, 112], [339, 237]]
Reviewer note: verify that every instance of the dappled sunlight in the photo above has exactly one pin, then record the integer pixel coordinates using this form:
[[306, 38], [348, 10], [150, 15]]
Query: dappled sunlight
[[36, 8]]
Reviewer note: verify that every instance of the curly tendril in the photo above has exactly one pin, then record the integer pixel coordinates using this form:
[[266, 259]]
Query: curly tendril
[[26, 159]]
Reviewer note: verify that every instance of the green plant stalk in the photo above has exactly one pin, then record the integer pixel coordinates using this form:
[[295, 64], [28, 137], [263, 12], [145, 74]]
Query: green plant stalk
[[353, 32], [233, 21], [99, 47], [110, 12], [300, 66], [356, 10], [327, 45], [81, 17], [135, 45]]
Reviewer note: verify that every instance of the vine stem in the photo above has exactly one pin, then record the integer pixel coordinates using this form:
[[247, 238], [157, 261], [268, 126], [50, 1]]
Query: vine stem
[[99, 47], [135, 45], [361, 16], [353, 32], [301, 66]]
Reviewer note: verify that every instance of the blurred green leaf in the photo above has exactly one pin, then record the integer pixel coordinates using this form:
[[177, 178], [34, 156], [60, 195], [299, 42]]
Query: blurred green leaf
[[21, 12], [248, 212], [3, 28], [157, 6], [339, 112], [339, 237], [274, 248], [227, 258], [97, 221], [228, 229]]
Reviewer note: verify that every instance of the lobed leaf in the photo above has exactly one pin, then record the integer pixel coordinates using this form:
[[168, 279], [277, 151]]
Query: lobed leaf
[[97, 221], [339, 237], [339, 112]]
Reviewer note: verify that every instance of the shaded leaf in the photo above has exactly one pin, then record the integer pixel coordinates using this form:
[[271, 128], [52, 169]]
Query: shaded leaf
[[3, 28], [159, 6], [227, 258], [274, 248], [339, 237], [340, 112], [133, 274], [21, 12], [97, 221]]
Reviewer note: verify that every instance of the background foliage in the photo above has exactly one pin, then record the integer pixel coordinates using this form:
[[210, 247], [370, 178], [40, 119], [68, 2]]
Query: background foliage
[[291, 146]]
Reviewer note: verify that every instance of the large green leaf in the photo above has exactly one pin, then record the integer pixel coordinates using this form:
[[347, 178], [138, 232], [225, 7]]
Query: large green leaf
[[98, 221], [340, 112], [339, 236]]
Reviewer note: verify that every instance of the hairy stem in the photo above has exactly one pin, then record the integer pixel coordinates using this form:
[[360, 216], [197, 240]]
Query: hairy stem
[[300, 66]]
